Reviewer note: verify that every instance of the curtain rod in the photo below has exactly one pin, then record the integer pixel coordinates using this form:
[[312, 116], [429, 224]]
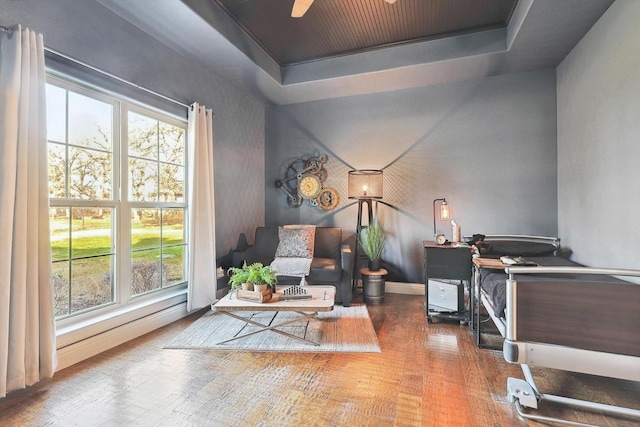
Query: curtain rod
[[106, 73]]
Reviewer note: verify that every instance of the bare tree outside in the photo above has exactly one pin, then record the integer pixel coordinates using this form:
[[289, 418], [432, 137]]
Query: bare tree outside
[[81, 166], [156, 173]]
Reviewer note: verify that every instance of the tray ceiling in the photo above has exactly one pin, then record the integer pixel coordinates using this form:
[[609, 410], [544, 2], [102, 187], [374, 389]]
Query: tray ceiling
[[337, 27], [343, 48]]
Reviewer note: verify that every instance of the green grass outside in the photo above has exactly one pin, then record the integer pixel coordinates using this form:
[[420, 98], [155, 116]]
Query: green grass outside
[[89, 274], [101, 245]]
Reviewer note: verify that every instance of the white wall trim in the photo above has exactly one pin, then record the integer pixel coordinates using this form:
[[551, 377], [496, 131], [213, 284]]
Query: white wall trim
[[96, 344], [404, 288], [76, 329], [88, 347]]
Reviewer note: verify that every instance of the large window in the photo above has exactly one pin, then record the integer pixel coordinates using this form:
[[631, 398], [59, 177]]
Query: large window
[[117, 197]]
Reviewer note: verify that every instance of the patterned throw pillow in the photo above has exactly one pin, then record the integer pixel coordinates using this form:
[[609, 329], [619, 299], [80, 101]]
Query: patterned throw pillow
[[296, 241]]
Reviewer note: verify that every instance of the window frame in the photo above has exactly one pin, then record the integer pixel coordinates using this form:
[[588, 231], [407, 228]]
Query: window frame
[[123, 303]]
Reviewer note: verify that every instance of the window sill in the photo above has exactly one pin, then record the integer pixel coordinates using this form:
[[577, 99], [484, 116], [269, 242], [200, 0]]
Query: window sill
[[82, 330]]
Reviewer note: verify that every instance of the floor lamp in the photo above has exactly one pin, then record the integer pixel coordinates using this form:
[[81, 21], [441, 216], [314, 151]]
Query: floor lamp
[[365, 185]]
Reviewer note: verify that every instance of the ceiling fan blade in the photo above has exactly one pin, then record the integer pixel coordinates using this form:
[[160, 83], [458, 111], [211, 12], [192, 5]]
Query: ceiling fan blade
[[390, 1], [300, 7]]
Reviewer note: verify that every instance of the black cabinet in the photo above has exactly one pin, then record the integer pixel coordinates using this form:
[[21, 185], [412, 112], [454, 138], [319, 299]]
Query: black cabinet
[[447, 262]]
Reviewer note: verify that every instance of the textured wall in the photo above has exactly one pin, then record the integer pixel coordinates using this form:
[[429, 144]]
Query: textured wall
[[488, 146], [87, 31], [598, 141]]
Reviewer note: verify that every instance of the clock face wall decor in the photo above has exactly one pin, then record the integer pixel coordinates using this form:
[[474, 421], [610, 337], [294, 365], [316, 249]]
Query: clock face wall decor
[[303, 180], [309, 186]]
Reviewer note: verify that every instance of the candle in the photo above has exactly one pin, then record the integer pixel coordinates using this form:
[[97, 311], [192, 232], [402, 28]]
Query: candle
[[456, 232]]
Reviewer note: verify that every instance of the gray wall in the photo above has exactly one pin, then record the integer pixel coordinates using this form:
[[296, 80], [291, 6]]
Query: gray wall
[[488, 146], [599, 141], [87, 31]]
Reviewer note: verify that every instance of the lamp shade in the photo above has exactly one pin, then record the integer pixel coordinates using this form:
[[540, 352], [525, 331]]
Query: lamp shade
[[365, 184]]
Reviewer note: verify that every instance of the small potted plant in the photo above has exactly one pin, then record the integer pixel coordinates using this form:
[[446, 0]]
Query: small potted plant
[[238, 277], [254, 276], [262, 276], [372, 240]]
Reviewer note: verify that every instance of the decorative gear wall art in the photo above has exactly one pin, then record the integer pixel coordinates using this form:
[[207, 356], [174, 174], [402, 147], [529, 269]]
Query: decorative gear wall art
[[303, 180]]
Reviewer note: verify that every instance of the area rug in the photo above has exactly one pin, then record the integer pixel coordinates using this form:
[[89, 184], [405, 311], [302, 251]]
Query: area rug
[[345, 329]]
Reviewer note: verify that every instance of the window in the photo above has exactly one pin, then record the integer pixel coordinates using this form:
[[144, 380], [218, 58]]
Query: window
[[117, 199]]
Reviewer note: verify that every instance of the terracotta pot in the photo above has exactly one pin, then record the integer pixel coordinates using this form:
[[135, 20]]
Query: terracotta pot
[[247, 286]]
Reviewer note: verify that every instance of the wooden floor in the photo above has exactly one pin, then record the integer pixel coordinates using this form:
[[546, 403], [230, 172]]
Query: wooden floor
[[426, 375]]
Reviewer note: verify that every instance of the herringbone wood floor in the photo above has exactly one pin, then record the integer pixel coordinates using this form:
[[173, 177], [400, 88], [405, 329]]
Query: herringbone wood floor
[[426, 375]]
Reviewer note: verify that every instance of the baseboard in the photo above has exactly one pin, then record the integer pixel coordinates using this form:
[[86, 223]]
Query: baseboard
[[96, 344], [404, 288]]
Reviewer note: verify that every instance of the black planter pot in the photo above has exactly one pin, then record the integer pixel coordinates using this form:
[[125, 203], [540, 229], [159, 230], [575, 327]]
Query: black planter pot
[[374, 264]]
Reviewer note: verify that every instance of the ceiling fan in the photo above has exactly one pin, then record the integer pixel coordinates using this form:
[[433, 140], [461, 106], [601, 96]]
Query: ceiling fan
[[300, 7]]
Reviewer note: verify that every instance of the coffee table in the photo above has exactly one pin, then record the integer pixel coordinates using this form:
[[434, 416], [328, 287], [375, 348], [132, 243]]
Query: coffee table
[[322, 299]]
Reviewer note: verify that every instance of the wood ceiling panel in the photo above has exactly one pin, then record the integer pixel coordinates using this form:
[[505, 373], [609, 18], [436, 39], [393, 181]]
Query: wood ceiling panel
[[341, 27]]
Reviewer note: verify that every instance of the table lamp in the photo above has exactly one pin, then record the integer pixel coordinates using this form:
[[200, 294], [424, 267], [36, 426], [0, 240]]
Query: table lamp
[[444, 213]]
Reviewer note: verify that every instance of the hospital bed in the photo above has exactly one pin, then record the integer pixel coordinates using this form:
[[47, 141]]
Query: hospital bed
[[554, 313]]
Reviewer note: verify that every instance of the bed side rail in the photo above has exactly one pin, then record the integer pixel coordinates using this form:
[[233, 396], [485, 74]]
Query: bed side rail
[[595, 315], [571, 270], [518, 238]]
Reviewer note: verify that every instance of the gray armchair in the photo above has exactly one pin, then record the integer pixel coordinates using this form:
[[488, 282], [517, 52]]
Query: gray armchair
[[331, 263]]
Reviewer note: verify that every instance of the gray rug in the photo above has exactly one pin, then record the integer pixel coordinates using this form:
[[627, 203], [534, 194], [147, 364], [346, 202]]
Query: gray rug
[[345, 329]]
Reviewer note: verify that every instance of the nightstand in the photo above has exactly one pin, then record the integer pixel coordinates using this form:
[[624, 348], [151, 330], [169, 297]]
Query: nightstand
[[449, 262]]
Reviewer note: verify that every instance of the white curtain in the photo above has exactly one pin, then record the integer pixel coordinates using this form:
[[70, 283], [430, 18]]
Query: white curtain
[[27, 326], [202, 224]]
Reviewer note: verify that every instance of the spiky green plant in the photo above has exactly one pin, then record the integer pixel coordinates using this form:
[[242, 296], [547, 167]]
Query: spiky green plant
[[372, 240]]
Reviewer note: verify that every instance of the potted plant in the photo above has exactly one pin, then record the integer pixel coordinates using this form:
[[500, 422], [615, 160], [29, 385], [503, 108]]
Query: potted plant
[[262, 276], [252, 276], [372, 240], [238, 277]]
